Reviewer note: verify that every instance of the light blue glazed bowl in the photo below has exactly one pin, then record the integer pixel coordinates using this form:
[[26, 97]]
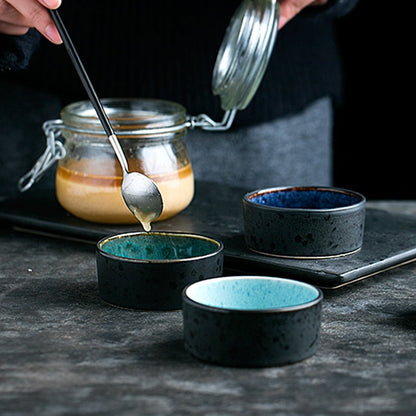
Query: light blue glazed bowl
[[251, 321]]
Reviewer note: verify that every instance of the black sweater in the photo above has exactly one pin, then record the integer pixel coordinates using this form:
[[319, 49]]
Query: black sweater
[[167, 49]]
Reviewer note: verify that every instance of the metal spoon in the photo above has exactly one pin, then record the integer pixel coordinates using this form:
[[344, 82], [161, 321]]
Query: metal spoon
[[139, 192]]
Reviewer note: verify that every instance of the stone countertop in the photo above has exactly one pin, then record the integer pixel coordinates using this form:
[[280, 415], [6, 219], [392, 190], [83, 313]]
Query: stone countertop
[[63, 351]]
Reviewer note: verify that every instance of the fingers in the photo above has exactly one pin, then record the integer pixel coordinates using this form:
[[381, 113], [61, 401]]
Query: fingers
[[290, 8], [11, 21], [17, 16]]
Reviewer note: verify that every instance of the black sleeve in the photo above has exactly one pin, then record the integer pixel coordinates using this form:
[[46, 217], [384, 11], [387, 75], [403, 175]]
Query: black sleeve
[[16, 51]]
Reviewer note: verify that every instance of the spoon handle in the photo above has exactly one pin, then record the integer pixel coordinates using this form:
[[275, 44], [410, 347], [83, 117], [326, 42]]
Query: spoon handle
[[82, 73]]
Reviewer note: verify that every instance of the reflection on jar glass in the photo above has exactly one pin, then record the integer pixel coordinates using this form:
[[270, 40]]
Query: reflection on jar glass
[[151, 133]]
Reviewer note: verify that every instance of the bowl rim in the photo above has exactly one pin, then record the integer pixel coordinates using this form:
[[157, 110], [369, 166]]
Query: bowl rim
[[101, 251], [361, 198], [293, 308]]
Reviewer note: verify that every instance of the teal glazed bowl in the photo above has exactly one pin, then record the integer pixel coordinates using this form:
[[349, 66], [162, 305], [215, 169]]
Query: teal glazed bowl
[[304, 222], [149, 270], [251, 321]]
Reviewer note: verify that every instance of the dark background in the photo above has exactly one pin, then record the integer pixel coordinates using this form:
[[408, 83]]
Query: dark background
[[373, 145]]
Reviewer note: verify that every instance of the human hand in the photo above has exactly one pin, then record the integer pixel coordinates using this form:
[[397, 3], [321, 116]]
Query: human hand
[[290, 8], [18, 16]]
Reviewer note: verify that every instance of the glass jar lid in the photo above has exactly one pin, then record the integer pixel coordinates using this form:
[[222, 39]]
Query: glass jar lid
[[245, 53], [239, 68]]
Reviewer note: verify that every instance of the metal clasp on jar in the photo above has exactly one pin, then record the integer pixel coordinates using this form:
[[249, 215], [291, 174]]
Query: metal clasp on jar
[[206, 123], [54, 151]]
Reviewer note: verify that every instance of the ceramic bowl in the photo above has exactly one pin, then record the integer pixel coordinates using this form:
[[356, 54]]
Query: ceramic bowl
[[251, 321], [149, 270], [304, 222]]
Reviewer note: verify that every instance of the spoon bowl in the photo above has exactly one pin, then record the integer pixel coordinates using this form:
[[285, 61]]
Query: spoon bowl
[[142, 197]]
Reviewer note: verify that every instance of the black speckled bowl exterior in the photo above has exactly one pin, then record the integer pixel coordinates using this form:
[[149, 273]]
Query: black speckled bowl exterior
[[241, 338], [153, 284], [323, 222]]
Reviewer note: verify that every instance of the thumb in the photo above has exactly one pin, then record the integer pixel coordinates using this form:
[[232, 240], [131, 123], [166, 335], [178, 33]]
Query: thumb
[[290, 8]]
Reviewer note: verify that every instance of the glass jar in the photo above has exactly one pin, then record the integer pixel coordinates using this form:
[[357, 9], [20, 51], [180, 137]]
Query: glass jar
[[151, 133]]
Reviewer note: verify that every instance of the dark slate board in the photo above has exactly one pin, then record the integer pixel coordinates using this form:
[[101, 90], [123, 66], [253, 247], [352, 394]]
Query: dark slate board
[[389, 239]]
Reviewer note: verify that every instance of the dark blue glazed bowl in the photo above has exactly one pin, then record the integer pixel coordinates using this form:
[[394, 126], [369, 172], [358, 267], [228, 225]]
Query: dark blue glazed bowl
[[251, 321], [149, 270], [304, 222]]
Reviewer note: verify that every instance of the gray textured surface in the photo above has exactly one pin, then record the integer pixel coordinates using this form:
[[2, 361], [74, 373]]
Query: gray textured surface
[[63, 351]]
